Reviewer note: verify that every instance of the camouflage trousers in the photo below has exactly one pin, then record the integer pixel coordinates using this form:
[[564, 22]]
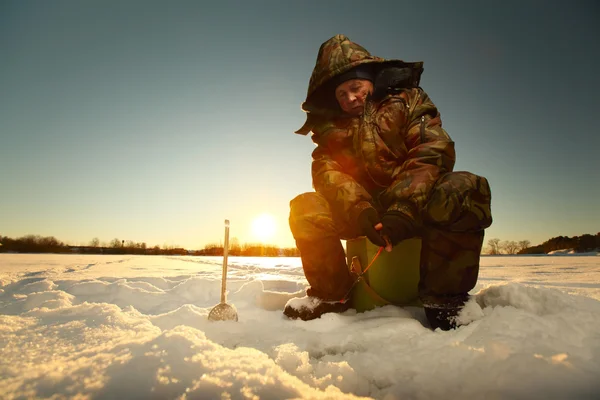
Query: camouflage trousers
[[453, 223]]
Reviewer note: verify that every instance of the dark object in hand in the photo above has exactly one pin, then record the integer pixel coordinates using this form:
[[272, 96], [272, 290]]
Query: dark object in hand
[[396, 227], [367, 220]]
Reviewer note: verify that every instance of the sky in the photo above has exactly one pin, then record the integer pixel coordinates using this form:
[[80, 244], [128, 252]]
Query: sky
[[155, 121], [122, 327]]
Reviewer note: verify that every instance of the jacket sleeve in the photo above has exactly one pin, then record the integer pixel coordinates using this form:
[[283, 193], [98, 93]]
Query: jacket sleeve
[[430, 155], [344, 194]]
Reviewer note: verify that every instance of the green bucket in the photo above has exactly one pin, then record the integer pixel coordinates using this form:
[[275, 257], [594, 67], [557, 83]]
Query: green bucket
[[392, 279]]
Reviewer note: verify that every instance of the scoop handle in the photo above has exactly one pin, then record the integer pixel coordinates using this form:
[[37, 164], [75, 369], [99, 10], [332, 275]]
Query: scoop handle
[[225, 253]]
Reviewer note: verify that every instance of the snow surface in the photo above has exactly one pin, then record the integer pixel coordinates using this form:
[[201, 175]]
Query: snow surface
[[136, 327]]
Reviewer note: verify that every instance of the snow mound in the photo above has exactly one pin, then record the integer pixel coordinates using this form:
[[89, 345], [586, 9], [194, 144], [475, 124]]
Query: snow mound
[[109, 333]]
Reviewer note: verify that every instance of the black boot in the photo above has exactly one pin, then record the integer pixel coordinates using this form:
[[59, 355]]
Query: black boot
[[443, 318], [442, 312], [310, 307]]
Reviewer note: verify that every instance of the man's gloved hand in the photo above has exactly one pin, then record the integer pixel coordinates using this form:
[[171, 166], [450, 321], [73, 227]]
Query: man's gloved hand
[[396, 227], [367, 219]]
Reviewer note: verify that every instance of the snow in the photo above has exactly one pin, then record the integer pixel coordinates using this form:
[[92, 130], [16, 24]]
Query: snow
[[136, 327], [561, 252], [572, 252], [305, 302]]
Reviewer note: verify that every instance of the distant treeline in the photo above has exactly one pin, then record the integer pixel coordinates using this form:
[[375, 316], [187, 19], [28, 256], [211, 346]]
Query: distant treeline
[[250, 250], [579, 244], [49, 244]]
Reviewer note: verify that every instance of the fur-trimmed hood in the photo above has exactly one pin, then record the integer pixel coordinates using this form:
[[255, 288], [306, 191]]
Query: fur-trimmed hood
[[337, 56]]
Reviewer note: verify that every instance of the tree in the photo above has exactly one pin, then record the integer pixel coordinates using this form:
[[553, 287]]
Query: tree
[[510, 246], [155, 250], [234, 247], [494, 246], [586, 243], [115, 243], [523, 244], [95, 242]]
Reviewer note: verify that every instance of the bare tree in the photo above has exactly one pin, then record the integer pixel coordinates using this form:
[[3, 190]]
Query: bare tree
[[234, 247], [494, 246], [115, 243], [524, 244], [95, 242], [510, 246]]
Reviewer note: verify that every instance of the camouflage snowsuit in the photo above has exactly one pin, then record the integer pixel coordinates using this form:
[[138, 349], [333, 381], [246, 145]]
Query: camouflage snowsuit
[[395, 156]]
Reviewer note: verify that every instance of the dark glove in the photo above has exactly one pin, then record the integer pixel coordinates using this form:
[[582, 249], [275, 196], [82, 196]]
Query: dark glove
[[396, 227], [367, 219]]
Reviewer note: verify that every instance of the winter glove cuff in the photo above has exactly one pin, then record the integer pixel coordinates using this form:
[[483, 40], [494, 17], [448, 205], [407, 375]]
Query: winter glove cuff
[[397, 227], [408, 209], [356, 210]]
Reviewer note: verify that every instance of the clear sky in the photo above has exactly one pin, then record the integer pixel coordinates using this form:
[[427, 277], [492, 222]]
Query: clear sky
[[154, 121]]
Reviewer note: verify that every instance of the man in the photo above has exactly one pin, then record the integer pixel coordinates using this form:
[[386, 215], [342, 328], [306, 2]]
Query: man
[[383, 169]]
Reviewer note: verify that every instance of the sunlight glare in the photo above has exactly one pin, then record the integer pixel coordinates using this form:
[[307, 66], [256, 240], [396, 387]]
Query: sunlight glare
[[264, 227]]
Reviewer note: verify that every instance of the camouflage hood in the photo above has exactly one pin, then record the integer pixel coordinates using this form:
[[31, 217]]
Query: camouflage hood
[[337, 56]]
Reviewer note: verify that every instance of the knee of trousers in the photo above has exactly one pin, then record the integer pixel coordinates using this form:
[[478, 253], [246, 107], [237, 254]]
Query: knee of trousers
[[449, 263], [311, 217], [460, 202]]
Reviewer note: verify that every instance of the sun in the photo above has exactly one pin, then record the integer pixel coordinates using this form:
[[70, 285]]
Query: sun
[[264, 227]]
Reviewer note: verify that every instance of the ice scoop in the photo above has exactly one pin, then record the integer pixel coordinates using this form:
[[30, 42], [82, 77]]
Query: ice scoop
[[224, 311]]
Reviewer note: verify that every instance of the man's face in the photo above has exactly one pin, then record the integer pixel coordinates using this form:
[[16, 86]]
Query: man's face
[[351, 95]]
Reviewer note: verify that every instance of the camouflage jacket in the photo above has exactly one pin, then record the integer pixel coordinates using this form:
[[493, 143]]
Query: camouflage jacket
[[390, 157]]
